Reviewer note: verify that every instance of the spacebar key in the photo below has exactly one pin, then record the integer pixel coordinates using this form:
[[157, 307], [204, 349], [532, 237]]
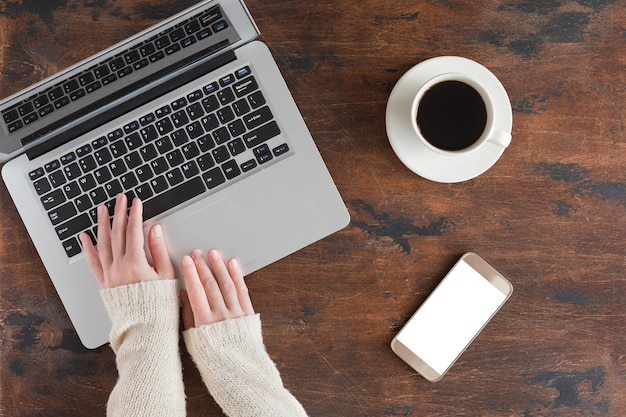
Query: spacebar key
[[173, 197]]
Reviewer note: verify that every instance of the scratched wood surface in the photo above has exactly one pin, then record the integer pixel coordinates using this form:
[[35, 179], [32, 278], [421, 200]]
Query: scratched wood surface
[[550, 215]]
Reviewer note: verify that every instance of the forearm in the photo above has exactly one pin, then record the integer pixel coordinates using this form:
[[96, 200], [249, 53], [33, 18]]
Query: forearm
[[144, 338], [237, 370]]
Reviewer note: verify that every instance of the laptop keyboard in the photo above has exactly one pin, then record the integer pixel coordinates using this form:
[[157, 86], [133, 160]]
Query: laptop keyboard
[[198, 143], [171, 45]]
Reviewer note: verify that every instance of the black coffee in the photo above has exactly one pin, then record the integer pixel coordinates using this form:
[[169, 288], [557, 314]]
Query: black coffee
[[451, 115]]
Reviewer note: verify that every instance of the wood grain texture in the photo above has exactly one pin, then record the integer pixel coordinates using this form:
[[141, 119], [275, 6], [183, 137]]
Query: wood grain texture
[[550, 215]]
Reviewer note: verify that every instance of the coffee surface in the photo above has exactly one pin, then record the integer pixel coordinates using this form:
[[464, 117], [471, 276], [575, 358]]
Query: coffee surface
[[452, 115]]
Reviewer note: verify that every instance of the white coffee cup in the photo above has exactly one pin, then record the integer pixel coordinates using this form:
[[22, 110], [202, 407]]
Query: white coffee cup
[[438, 163], [455, 97]]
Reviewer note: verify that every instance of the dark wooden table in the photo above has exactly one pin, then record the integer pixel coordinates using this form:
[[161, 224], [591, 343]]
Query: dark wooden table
[[550, 215]]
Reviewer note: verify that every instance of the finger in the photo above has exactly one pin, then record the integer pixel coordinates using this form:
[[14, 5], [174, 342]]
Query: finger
[[104, 236], [134, 230], [240, 285], [211, 287], [160, 258], [195, 293], [118, 230], [187, 314], [92, 258], [226, 284]]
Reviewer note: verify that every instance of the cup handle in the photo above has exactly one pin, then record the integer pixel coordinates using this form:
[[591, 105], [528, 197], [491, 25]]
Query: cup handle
[[500, 138]]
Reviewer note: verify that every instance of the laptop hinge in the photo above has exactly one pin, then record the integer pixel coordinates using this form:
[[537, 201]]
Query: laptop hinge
[[162, 85]]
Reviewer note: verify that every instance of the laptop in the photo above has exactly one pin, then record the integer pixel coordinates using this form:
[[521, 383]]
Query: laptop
[[192, 116]]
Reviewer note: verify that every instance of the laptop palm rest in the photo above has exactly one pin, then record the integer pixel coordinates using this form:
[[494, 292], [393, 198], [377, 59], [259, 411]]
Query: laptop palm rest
[[214, 226]]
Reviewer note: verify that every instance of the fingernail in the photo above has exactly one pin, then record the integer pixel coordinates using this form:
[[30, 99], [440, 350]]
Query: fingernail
[[234, 264], [157, 230], [196, 254], [214, 255], [187, 260]]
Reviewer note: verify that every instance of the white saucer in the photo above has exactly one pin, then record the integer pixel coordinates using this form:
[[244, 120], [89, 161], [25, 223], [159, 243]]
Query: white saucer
[[424, 161]]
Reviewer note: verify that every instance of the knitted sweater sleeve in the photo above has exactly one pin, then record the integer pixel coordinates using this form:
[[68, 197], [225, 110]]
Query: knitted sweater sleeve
[[237, 370], [144, 338]]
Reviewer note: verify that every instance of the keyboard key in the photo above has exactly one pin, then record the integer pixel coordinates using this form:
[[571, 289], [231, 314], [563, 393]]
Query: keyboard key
[[164, 145], [42, 186], [71, 190], [44, 111], [164, 126], [117, 167], [213, 178], [236, 146], [205, 162], [62, 213], [280, 149], [86, 78], [248, 165], [25, 109], [147, 49], [55, 93], [150, 133], [258, 117], [66, 159], [57, 179], [73, 226], [87, 163], [98, 196], [103, 156], [128, 181], [220, 154], [87, 182], [133, 160], [159, 166], [243, 72], [173, 197], [36, 173], [102, 71], [133, 141], [99, 143], [256, 99], [262, 134], [174, 177], [117, 64], [71, 85], [219, 26], [144, 173], [11, 116], [148, 152], [40, 101], [245, 87], [231, 169], [226, 96], [53, 199], [30, 118], [158, 184], [52, 166], [113, 188], [221, 135], [83, 150], [211, 16], [206, 143], [175, 158], [83, 203], [72, 247], [102, 175], [190, 169], [144, 192], [63, 101]]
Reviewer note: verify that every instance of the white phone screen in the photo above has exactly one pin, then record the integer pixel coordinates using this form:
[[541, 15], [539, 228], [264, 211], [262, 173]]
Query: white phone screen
[[451, 317]]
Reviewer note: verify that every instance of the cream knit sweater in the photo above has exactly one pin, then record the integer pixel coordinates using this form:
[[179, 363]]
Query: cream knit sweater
[[230, 355]]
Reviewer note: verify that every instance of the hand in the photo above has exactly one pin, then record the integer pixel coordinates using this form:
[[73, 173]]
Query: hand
[[120, 258], [216, 290]]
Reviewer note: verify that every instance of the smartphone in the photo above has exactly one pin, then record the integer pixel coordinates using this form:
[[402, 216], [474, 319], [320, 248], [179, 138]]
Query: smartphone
[[451, 317]]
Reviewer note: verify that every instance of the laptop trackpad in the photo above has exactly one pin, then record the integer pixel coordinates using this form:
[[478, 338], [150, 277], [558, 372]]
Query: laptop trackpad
[[215, 226]]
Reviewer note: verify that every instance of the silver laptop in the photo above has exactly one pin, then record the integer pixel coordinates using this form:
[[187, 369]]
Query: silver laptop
[[193, 117]]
